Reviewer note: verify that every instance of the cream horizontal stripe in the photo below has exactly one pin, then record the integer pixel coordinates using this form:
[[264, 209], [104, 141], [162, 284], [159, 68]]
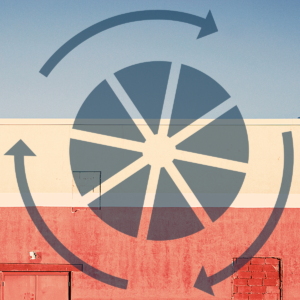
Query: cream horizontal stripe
[[50, 177], [68, 200]]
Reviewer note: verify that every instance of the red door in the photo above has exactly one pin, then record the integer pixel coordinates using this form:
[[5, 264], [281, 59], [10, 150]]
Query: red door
[[35, 285]]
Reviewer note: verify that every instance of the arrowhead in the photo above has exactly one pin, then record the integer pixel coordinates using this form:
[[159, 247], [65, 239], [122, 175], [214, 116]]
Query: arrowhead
[[209, 26], [202, 283], [20, 149]]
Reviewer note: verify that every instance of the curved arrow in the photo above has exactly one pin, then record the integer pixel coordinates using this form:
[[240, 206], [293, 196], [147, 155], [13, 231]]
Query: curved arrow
[[19, 150], [205, 283], [208, 26]]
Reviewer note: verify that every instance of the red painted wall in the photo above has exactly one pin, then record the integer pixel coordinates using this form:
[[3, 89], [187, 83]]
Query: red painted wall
[[155, 270]]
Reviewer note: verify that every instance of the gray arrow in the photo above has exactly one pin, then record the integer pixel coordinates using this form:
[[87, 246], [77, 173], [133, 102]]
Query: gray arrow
[[205, 283], [19, 150], [208, 26]]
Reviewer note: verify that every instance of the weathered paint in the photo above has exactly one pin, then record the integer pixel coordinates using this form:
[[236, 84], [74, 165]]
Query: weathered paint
[[154, 269]]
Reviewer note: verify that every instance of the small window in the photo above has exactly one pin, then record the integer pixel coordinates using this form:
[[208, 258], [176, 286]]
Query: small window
[[86, 188]]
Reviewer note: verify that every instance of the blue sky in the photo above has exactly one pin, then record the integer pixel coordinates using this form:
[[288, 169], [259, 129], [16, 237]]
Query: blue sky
[[254, 56]]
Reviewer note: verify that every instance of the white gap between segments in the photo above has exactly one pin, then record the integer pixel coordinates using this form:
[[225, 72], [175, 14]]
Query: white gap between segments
[[122, 175], [211, 161], [208, 117], [169, 99], [149, 202], [129, 106], [152, 186], [187, 193], [107, 140]]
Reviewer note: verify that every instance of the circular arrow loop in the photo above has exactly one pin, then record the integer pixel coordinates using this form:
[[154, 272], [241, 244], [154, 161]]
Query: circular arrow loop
[[20, 150]]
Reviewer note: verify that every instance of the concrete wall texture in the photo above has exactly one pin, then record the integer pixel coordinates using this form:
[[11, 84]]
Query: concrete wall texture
[[154, 269]]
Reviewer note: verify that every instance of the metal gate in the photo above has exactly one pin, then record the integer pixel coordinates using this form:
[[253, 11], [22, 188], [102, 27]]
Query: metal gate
[[35, 285]]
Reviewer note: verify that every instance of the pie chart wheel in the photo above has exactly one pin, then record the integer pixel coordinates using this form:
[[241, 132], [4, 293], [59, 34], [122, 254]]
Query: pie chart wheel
[[140, 129]]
